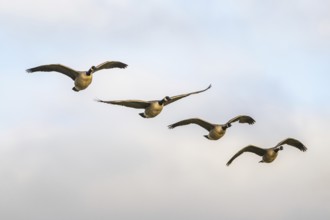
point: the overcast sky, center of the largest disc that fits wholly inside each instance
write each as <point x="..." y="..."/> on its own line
<point x="65" y="156"/>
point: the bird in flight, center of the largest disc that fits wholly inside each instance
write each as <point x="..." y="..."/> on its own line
<point x="151" y="108"/>
<point x="216" y="131"/>
<point x="269" y="154"/>
<point x="82" y="79"/>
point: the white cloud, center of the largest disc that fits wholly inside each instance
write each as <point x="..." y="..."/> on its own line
<point x="64" y="156"/>
<point x="60" y="11"/>
<point x="90" y="15"/>
<point x="324" y="28"/>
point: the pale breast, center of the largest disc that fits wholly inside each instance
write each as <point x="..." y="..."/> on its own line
<point x="153" y="110"/>
<point x="83" y="81"/>
<point x="216" y="133"/>
<point x="270" y="156"/>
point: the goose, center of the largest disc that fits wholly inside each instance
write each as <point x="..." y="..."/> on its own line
<point x="82" y="79"/>
<point x="151" y="108"/>
<point x="216" y="131"/>
<point x="270" y="154"/>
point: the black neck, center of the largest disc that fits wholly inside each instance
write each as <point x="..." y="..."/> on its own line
<point x="224" y="127"/>
<point x="161" y="102"/>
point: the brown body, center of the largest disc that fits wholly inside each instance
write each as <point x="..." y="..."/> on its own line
<point x="269" y="156"/>
<point x="82" y="81"/>
<point x="216" y="133"/>
<point x="153" y="110"/>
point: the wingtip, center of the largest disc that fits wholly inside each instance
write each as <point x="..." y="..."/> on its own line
<point x="250" y="120"/>
<point x="123" y="65"/>
<point x="28" y="70"/>
<point x="98" y="100"/>
<point x="170" y="126"/>
<point x="300" y="145"/>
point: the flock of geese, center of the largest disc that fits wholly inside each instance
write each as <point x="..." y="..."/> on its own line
<point x="82" y="79"/>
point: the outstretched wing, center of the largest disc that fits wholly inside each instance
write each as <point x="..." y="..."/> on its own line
<point x="175" y="98"/>
<point x="250" y="148"/>
<point x="128" y="103"/>
<point x="109" y="65"/>
<point x="242" y="119"/>
<point x="293" y="142"/>
<point x="57" y="68"/>
<point x="208" y="126"/>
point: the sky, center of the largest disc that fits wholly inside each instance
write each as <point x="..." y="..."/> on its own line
<point x="65" y="156"/>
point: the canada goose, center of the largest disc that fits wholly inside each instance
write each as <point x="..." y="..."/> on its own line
<point x="270" y="154"/>
<point x="216" y="131"/>
<point x="81" y="79"/>
<point x="152" y="108"/>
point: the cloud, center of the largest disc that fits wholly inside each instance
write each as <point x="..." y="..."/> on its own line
<point x="92" y="15"/>
<point x="50" y="12"/>
<point x="64" y="156"/>
<point x="324" y="28"/>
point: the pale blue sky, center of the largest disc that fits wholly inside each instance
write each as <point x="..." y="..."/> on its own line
<point x="64" y="156"/>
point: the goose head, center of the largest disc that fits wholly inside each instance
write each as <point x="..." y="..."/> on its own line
<point x="91" y="71"/>
<point x="225" y="126"/>
<point x="278" y="149"/>
<point x="164" y="100"/>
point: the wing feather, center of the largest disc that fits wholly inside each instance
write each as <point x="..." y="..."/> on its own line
<point x="208" y="126"/>
<point x="109" y="65"/>
<point x="57" y="68"/>
<point x="176" y="98"/>
<point x="128" y="103"/>
<point x="250" y="148"/>
<point x="292" y="142"/>
<point x="242" y="119"/>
